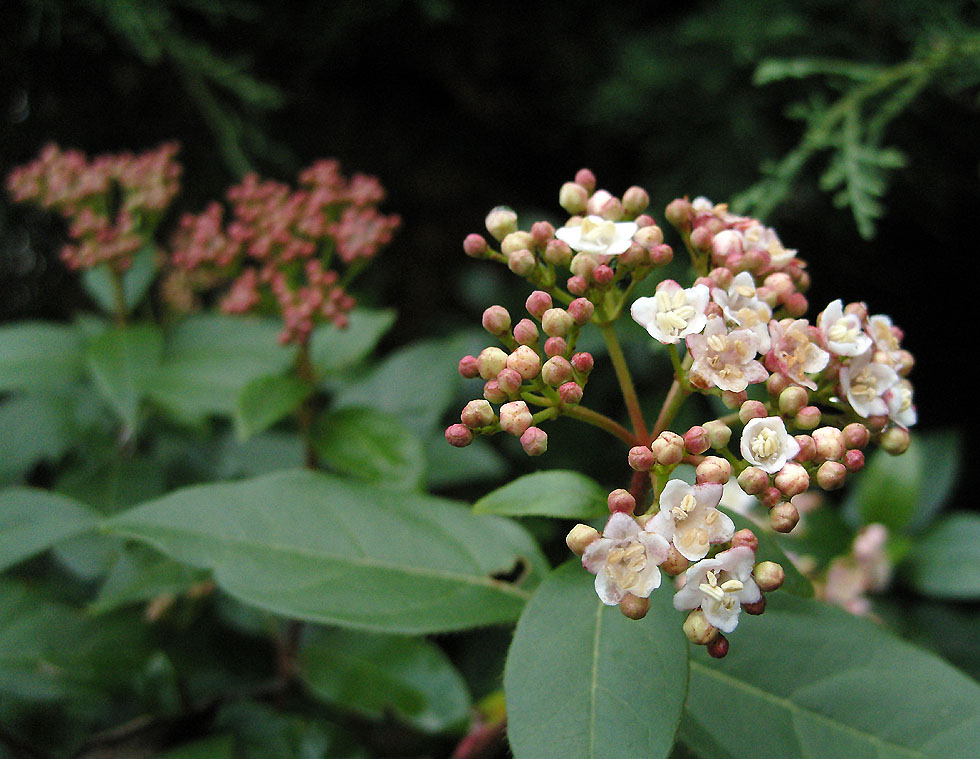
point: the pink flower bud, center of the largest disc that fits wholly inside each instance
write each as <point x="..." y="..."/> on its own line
<point x="509" y="381"/>
<point x="713" y="469"/>
<point x="641" y="458"/>
<point x="770" y="496"/>
<point x="577" y="285"/>
<point x="635" y="200"/>
<point x="611" y="209"/>
<point x="829" y="442"/>
<point x="583" y="363"/>
<point x="752" y="410"/>
<point x="792" y="480"/>
<point x="516" y="241"/>
<point x="621" y="500"/>
<point x="679" y="213"/>
<point x="581" y="310"/>
<point x="895" y="440"/>
<point x="478" y="413"/>
<point x="661" y="255"/>
<point x="696" y="440"/>
<point x="793" y="399"/>
<point x="558" y="253"/>
<point x="668" y="448"/>
<point x="573" y="197"/>
<point x="521" y="262"/>
<point x="769" y="576"/>
<point x="745" y="538"/>
<point x="585" y="178"/>
<point x="526" y="332"/>
<point x="831" y="475"/>
<point x="856" y="435"/>
<point x="784" y="517"/>
<point x="732" y="399"/>
<point x="721" y="277"/>
<point x="555" y="346"/>
<point x="496" y="320"/>
<point x="515" y="418"/>
<point x="459" y="435"/>
<point x="534" y="441"/>
<point x="570" y="393"/>
<point x="854" y="460"/>
<point x="718" y="432"/>
<point x="649" y="237"/>
<point x="557" y="322"/>
<point x="603" y="275"/>
<point x="675" y="563"/>
<point x="701" y="239"/>
<point x="597" y="201"/>
<point x="726" y="243"/>
<point x="542" y="232"/>
<point x="556" y="371"/>
<point x="807" y="418"/>
<point x="796" y="305"/>
<point x="468" y="367"/>
<point x="753" y="480"/>
<point x="698" y="629"/>
<point x="525" y="361"/>
<point x="501" y="221"/>
<point x="776" y="383"/>
<point x="537" y="303"/>
<point x="808" y="449"/>
<point x="475" y="246"/>
<point x="583" y="265"/>
<point x="490" y="361"/>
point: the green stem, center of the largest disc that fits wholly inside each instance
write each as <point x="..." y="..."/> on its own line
<point x="625" y="381"/>
<point x="119" y="295"/>
<point x="306" y="413"/>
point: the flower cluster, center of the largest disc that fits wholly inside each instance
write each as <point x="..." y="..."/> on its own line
<point x="112" y="203"/>
<point x="279" y="246"/>
<point x="806" y="399"/>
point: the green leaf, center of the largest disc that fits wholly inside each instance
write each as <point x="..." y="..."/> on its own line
<point x="582" y="680"/>
<point x="556" y="493"/>
<point x="209" y="359"/>
<point x="887" y="489"/>
<point x="317" y="547"/>
<point x="37" y="355"/>
<point x="770" y="550"/>
<point x="213" y="747"/>
<point x="135" y="281"/>
<point x="809" y="680"/>
<point x="370" y="445"/>
<point x="123" y="362"/>
<point x="945" y="561"/>
<point x="335" y="349"/>
<point x="449" y="466"/>
<point x="266" y="400"/>
<point x="33" y="520"/>
<point x="35" y="427"/>
<point x="140" y="575"/>
<point x="372" y="674"/>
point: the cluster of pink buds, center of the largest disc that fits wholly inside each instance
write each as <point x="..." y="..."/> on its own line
<point x="806" y="399"/>
<point x="280" y="246"/>
<point x="112" y="203"/>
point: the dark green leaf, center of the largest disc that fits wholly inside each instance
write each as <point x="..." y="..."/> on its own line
<point x="35" y="427"/>
<point x="449" y="466"/>
<point x="582" y="680"/>
<point x="33" y="520"/>
<point x="316" y="547"/>
<point x="266" y="400"/>
<point x="37" y="355"/>
<point x="556" y="493"/>
<point x="335" y="349"/>
<point x="140" y="575"/>
<point x="123" y="361"/>
<point x="769" y="550"/>
<point x="135" y="282"/>
<point x="945" y="561"/>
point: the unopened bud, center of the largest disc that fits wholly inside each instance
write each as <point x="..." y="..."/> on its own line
<point x="853" y="460"/>
<point x="501" y="221"/>
<point x="807" y="418"/>
<point x="581" y="310"/>
<point x="635" y="200"/>
<point x="525" y="361"/>
<point x="792" y="480"/>
<point x="641" y="458"/>
<point x="726" y="243"/>
<point x="534" y="441"/>
<point x="557" y="322"/>
<point x="675" y="563"/>
<point x="583" y="264"/>
<point x="756" y="608"/>
<point x="769" y="576"/>
<point x="490" y="361"/>
<point x="770" y="496"/>
<point x="829" y="442"/>
<point x="555" y="346"/>
<point x="509" y="381"/>
<point x="634" y="607"/>
<point x="796" y="305"/>
<point x="493" y="393"/>
<point x="516" y="241"/>
<point x="521" y="262"/>
<point x="459" y="435"/>
<point x="719" y="433"/>
<point x="831" y="475"/>
<point x="733" y="400"/>
<point x="679" y="213"/>
<point x="573" y="197"/>
<point x="468" y="367"/>
<point x="583" y="362"/>
<point x="718" y="648"/>
<point x="603" y="274"/>
<point x="526" y="332"/>
<point x="580" y="537"/>
<point x="696" y="440"/>
<point x="753" y="480"/>
<point x="537" y="303"/>
<point x="668" y="448"/>
<point x="698" y="629"/>
<point x="752" y="410"/>
<point x="895" y="440"/>
<point x="792" y="399"/>
<point x="496" y="320"/>
<point x="577" y="285"/>
<point x="475" y="246"/>
<point x="661" y="255"/>
<point x="556" y="371"/>
<point x="808" y="449"/>
<point x="745" y="538"/>
<point x="649" y="237"/>
<point x="542" y="232"/>
<point x="570" y="393"/>
<point x="784" y="517"/>
<point x="585" y="178"/>
<point x="713" y="469"/>
<point x="558" y="253"/>
<point x="515" y="418"/>
<point x="478" y="413"/>
<point x="856" y="435"/>
<point x="621" y="500"/>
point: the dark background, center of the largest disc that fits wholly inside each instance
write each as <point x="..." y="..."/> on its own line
<point x="458" y="107"/>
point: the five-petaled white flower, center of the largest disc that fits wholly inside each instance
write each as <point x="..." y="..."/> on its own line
<point x="766" y="444"/>
<point x="724" y="359"/>
<point x="673" y="313"/>
<point x="690" y="518"/>
<point x="742" y="307"/>
<point x="720" y="586"/>
<point x="795" y="352"/>
<point x="626" y="559"/>
<point x="843" y="333"/>
<point x="865" y="383"/>
<point x="598" y="235"/>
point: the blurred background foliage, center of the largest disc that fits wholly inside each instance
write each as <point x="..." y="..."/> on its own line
<point x="849" y="125"/>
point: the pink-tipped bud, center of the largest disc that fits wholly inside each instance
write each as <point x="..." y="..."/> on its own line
<point x="537" y="303"/>
<point x="829" y="442"/>
<point x="675" y="563"/>
<point x="721" y="277"/>
<point x="581" y="310"/>
<point x="726" y="243"/>
<point x="895" y="441"/>
<point x="719" y="433"/>
<point x="718" y="648"/>
<point x="611" y="209"/>
<point x="515" y="418"/>
<point x="769" y="576"/>
<point x="668" y="448"/>
<point x="793" y="399"/>
<point x="603" y="275"/>
<point x="732" y="399"/>
<point x="753" y="480"/>
<point x="570" y="393"/>
<point x="770" y="497"/>
<point x="490" y="361"/>
<point x="557" y="253"/>
<point x="580" y="537"/>
<point x="468" y="367"/>
<point x="556" y="371"/>
<point x="831" y="475"/>
<point x="522" y="262"/>
<point x="856" y="435"/>
<point x="696" y="440"/>
<point x="641" y="458"/>
<point x="572" y="197"/>
<point x="796" y="305"/>
<point x="713" y="469"/>
<point x="661" y="255"/>
<point x="501" y="221"/>
<point x="525" y="361"/>
<point x="745" y="538"/>
<point x="679" y="213"/>
<point x="557" y="322"/>
<point x="635" y="200"/>
<point x="808" y="449"/>
<point x="807" y="418"/>
<point x="792" y="480"/>
<point x="597" y="200"/>
<point x="698" y="629"/>
<point x="585" y="178"/>
<point x="634" y="607"/>
<point x="701" y="239"/>
<point x="496" y="320"/>
<point x="649" y="237"/>
<point x="534" y="441"/>
<point x="577" y="285"/>
<point x="478" y="413"/>
<point x="516" y="241"/>
<point x="555" y="346"/>
<point x="583" y="265"/>
<point x="459" y="435"/>
<point x="783" y="517"/>
<point x="853" y="460"/>
<point x="542" y="233"/>
<point x="526" y="332"/>
<point x="493" y="393"/>
<point x="509" y="381"/>
<point x="583" y="363"/>
<point x="752" y="410"/>
<point x="621" y="500"/>
<point x="475" y="246"/>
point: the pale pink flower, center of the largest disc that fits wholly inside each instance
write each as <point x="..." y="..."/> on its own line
<point x="690" y="518"/>
<point x="720" y="586"/>
<point x="625" y="559"/>
<point x="842" y="333"/>
<point x="742" y="307"/>
<point x="723" y="359"/>
<point x="794" y="351"/>
<point x="865" y="383"/>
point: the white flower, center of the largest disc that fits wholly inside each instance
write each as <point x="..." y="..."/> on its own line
<point x="725" y="360"/>
<point x="865" y="383"/>
<point x="842" y="333"/>
<point x="767" y="445"/>
<point x="795" y="352"/>
<point x="720" y="586"/>
<point x="626" y="559"/>
<point x="689" y="517"/>
<point x="901" y="409"/>
<point x="736" y="499"/>
<point x="756" y="236"/>
<point x="598" y="235"/>
<point x="673" y="313"/>
<point x="743" y="308"/>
